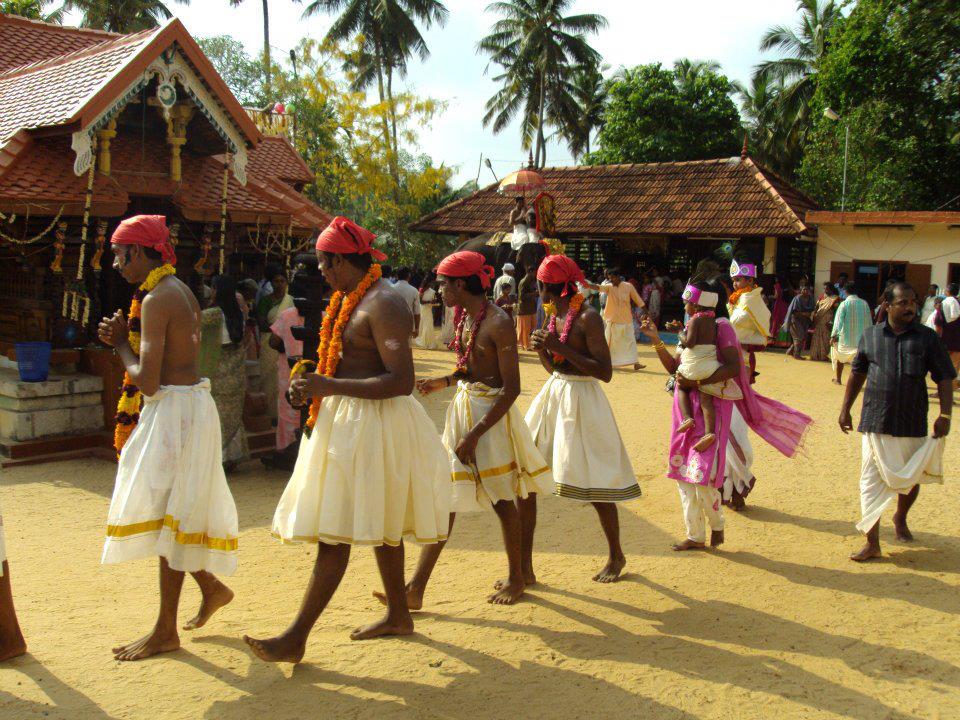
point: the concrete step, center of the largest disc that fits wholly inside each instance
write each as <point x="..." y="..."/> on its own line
<point x="21" y="450"/>
<point x="108" y="455"/>
<point x="266" y="440"/>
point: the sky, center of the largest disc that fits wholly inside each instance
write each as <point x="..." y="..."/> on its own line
<point x="639" y="31"/>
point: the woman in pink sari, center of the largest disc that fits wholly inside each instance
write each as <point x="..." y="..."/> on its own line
<point x="779" y="311"/>
<point x="283" y="341"/>
<point x="700" y="476"/>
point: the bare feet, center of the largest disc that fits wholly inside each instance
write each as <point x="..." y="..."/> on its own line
<point x="689" y="545"/>
<point x="529" y="580"/>
<point x="383" y="628"/>
<point x="15" y="650"/>
<point x="278" y="649"/>
<point x="716" y="538"/>
<point x="736" y="502"/>
<point x="901" y="529"/>
<point x="212" y="601"/>
<point x="867" y="552"/>
<point x="159" y="641"/>
<point x="611" y="571"/>
<point x="705" y="442"/>
<point x="508" y="594"/>
<point x="836" y="382"/>
<point x="414" y="597"/>
<point x="638" y="366"/>
<point x="685" y="425"/>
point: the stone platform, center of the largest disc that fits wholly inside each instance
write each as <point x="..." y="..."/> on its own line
<point x="65" y="404"/>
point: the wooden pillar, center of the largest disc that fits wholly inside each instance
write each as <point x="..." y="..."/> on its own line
<point x="769" y="255"/>
<point x="177" y="120"/>
<point x="104" y="137"/>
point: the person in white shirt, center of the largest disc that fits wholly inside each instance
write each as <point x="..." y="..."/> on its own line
<point x="410" y="295"/>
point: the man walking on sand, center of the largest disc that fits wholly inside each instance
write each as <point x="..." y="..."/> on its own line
<point x="171" y="497"/>
<point x="571" y="419"/>
<point x="893" y="360"/>
<point x="372" y="471"/>
<point x="618" y="318"/>
<point x="493" y="460"/>
<point x="852" y="318"/>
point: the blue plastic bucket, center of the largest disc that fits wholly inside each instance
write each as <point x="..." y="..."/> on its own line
<point x="33" y="361"/>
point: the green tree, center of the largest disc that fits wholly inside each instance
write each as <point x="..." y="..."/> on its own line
<point x="242" y="74"/>
<point x="537" y="47"/>
<point x="33" y="9"/>
<point x="266" y="42"/>
<point x="589" y="93"/>
<point x="658" y="115"/>
<point x="772" y="140"/>
<point x="388" y="35"/>
<point x="891" y="73"/>
<point x="122" y="16"/>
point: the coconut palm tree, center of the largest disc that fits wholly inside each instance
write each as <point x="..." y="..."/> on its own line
<point x="802" y="49"/>
<point x="266" y="42"/>
<point x="538" y="47"/>
<point x="122" y="16"/>
<point x="32" y="9"/>
<point x="590" y="94"/>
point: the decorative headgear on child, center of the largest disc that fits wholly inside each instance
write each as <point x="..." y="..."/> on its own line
<point x="743" y="270"/>
<point x="149" y="231"/>
<point x="556" y="269"/>
<point x="344" y="237"/>
<point x="464" y="264"/>
<point x="701" y="298"/>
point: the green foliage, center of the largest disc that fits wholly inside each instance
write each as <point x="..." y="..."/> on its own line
<point x="122" y="16"/>
<point x="242" y="74"/>
<point x="33" y="9"/>
<point x="891" y="72"/>
<point x="659" y="115"/>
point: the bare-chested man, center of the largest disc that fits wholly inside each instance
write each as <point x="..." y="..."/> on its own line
<point x="373" y="470"/>
<point x="171" y="497"/>
<point x="493" y="459"/>
<point x="12" y="643"/>
<point x="571" y="419"/>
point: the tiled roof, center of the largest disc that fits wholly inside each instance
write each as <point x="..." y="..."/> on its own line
<point x="278" y="157"/>
<point x="729" y="197"/>
<point x="41" y="177"/>
<point x="52" y="91"/>
<point x="27" y="41"/>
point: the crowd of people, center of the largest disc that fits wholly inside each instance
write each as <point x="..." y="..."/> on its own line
<point x="370" y="469"/>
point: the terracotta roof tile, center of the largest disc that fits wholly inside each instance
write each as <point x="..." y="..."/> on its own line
<point x="27" y="41"/>
<point x="726" y="197"/>
<point x="277" y="157"/>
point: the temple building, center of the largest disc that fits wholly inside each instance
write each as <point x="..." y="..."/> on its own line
<point x="96" y="127"/>
<point x="667" y="216"/>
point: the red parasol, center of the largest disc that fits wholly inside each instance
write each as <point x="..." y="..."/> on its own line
<point x="521" y="182"/>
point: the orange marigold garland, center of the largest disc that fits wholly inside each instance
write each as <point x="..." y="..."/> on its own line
<point x="335" y="320"/>
<point x="128" y="409"/>
<point x="576" y="302"/>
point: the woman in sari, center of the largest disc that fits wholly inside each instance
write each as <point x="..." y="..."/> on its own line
<point x="268" y="310"/>
<point x="823" y="322"/>
<point x="798" y="320"/>
<point x="223" y="360"/>
<point x="779" y="311"/>
<point x="431" y="316"/>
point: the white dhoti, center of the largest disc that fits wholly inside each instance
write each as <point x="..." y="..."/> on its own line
<point x="429" y="336"/>
<point x="171" y="497"/>
<point x="574" y="428"/>
<point x="509" y="466"/>
<point x="701" y="506"/>
<point x="447" y="330"/>
<point x="891" y="466"/>
<point x="739" y="458"/>
<point x="372" y="472"/>
<point x="841" y="353"/>
<point x="623" y="345"/>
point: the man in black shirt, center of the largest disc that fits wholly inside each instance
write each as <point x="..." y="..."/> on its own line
<point x="893" y="359"/>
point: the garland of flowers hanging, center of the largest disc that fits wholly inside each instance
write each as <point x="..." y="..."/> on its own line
<point x="335" y="320"/>
<point x="128" y="409"/>
<point x="36" y="238"/>
<point x="464" y="354"/>
<point x="576" y="302"/>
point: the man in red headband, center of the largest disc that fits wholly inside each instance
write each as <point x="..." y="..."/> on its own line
<point x="571" y="419"/>
<point x="171" y="497"/>
<point x="493" y="461"/>
<point x="372" y="471"/>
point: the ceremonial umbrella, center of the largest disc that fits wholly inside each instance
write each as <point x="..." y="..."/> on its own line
<point x="521" y="182"/>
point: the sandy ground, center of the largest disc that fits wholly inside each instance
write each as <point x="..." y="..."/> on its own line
<point x="778" y="624"/>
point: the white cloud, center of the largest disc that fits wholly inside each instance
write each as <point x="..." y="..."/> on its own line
<point x="640" y="31"/>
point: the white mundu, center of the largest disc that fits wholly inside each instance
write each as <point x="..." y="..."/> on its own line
<point x="699" y="363"/>
<point x="893" y="465"/>
<point x="622" y="342"/>
<point x="574" y="427"/>
<point x="171" y="498"/>
<point x="372" y="472"/>
<point x="509" y="466"/>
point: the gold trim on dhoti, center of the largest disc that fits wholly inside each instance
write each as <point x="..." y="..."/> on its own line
<point x="173" y="525"/>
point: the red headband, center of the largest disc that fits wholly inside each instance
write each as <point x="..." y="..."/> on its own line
<point x="345" y="237"/>
<point x="466" y="264"/>
<point x="560" y="269"/>
<point x="148" y="231"/>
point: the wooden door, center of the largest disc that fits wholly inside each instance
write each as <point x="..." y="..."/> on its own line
<point x="918" y="277"/>
<point x="840" y="267"/>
